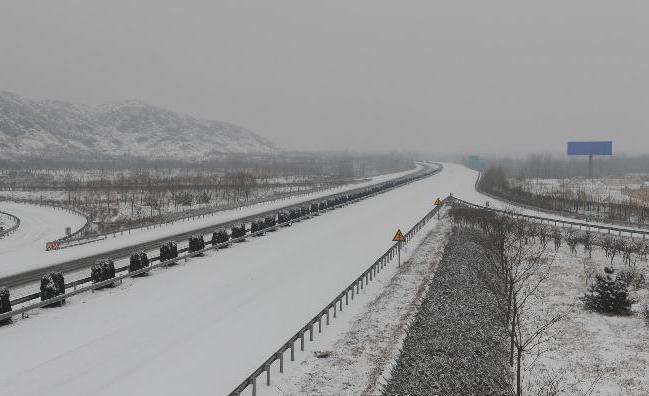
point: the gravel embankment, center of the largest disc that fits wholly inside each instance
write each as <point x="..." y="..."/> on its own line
<point x="456" y="344"/>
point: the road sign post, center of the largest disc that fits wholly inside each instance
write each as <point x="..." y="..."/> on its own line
<point x="438" y="202"/>
<point x="399" y="238"/>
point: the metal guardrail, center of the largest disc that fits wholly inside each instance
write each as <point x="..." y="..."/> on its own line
<point x="548" y="211"/>
<point x="11" y="229"/>
<point x="395" y="183"/>
<point x="332" y="308"/>
<point x="580" y="225"/>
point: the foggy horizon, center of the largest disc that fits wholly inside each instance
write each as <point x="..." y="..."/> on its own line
<point x="499" y="78"/>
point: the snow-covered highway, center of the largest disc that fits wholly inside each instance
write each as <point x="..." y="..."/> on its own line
<point x="202" y="326"/>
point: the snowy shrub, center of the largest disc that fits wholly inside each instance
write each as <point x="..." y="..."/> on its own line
<point x="138" y="261"/>
<point x="632" y="278"/>
<point x="283" y="217"/>
<point x="322" y="206"/>
<point x="295" y="213"/>
<point x="103" y="270"/>
<point x="238" y="231"/>
<point x="270" y="221"/>
<point x="257" y="225"/>
<point x="52" y="285"/>
<point x="314" y="208"/>
<point x="196" y="243"/>
<point x="5" y="304"/>
<point x="168" y="251"/>
<point x="304" y="211"/>
<point x="608" y="295"/>
<point x="219" y="237"/>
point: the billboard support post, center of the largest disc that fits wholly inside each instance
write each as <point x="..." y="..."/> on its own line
<point x="590" y="149"/>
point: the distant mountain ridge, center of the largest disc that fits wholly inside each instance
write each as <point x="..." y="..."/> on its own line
<point x="51" y="129"/>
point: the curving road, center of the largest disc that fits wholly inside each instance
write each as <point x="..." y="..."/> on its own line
<point x="38" y="225"/>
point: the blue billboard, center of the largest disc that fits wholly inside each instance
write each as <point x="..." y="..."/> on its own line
<point x="590" y="148"/>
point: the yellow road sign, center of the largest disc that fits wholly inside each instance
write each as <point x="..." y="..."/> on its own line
<point x="438" y="202"/>
<point x="398" y="237"/>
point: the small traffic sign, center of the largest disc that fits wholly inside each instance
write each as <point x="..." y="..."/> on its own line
<point x="398" y="237"/>
<point x="438" y="202"/>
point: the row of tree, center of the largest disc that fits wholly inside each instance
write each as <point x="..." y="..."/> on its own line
<point x="494" y="181"/>
<point x="519" y="263"/>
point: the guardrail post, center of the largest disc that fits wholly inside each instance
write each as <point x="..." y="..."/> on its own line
<point x="335" y="308"/>
<point x="320" y="323"/>
<point x="302" y="340"/>
<point x="327" y="316"/>
<point x="281" y="362"/>
<point x="254" y="386"/>
<point x="268" y="374"/>
<point x="292" y="351"/>
<point x="347" y="297"/>
<point x="311" y="331"/>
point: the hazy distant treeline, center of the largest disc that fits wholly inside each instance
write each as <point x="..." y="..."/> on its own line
<point x="553" y="167"/>
<point x="340" y="165"/>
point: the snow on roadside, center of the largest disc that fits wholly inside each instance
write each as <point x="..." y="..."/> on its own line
<point x="367" y="337"/>
<point x="586" y="345"/>
<point x="31" y="254"/>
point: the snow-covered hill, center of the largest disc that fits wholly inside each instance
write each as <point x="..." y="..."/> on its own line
<point x="53" y="130"/>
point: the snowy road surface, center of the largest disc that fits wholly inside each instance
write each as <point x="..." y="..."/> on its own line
<point x="200" y="327"/>
<point x="38" y="225"/>
<point x="19" y="260"/>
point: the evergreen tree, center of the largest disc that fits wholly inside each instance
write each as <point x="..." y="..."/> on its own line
<point x="608" y="295"/>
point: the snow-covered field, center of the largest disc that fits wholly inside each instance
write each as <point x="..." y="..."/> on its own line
<point x="38" y="225"/>
<point x="603" y="189"/>
<point x="609" y="353"/>
<point x="31" y="254"/>
<point x="202" y="326"/>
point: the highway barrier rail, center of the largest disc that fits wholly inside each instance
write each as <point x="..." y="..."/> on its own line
<point x="13" y="228"/>
<point x="331" y="309"/>
<point x="577" y="216"/>
<point x="586" y="226"/>
<point x="323" y="204"/>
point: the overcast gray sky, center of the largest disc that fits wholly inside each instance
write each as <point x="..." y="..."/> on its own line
<point x="467" y="76"/>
